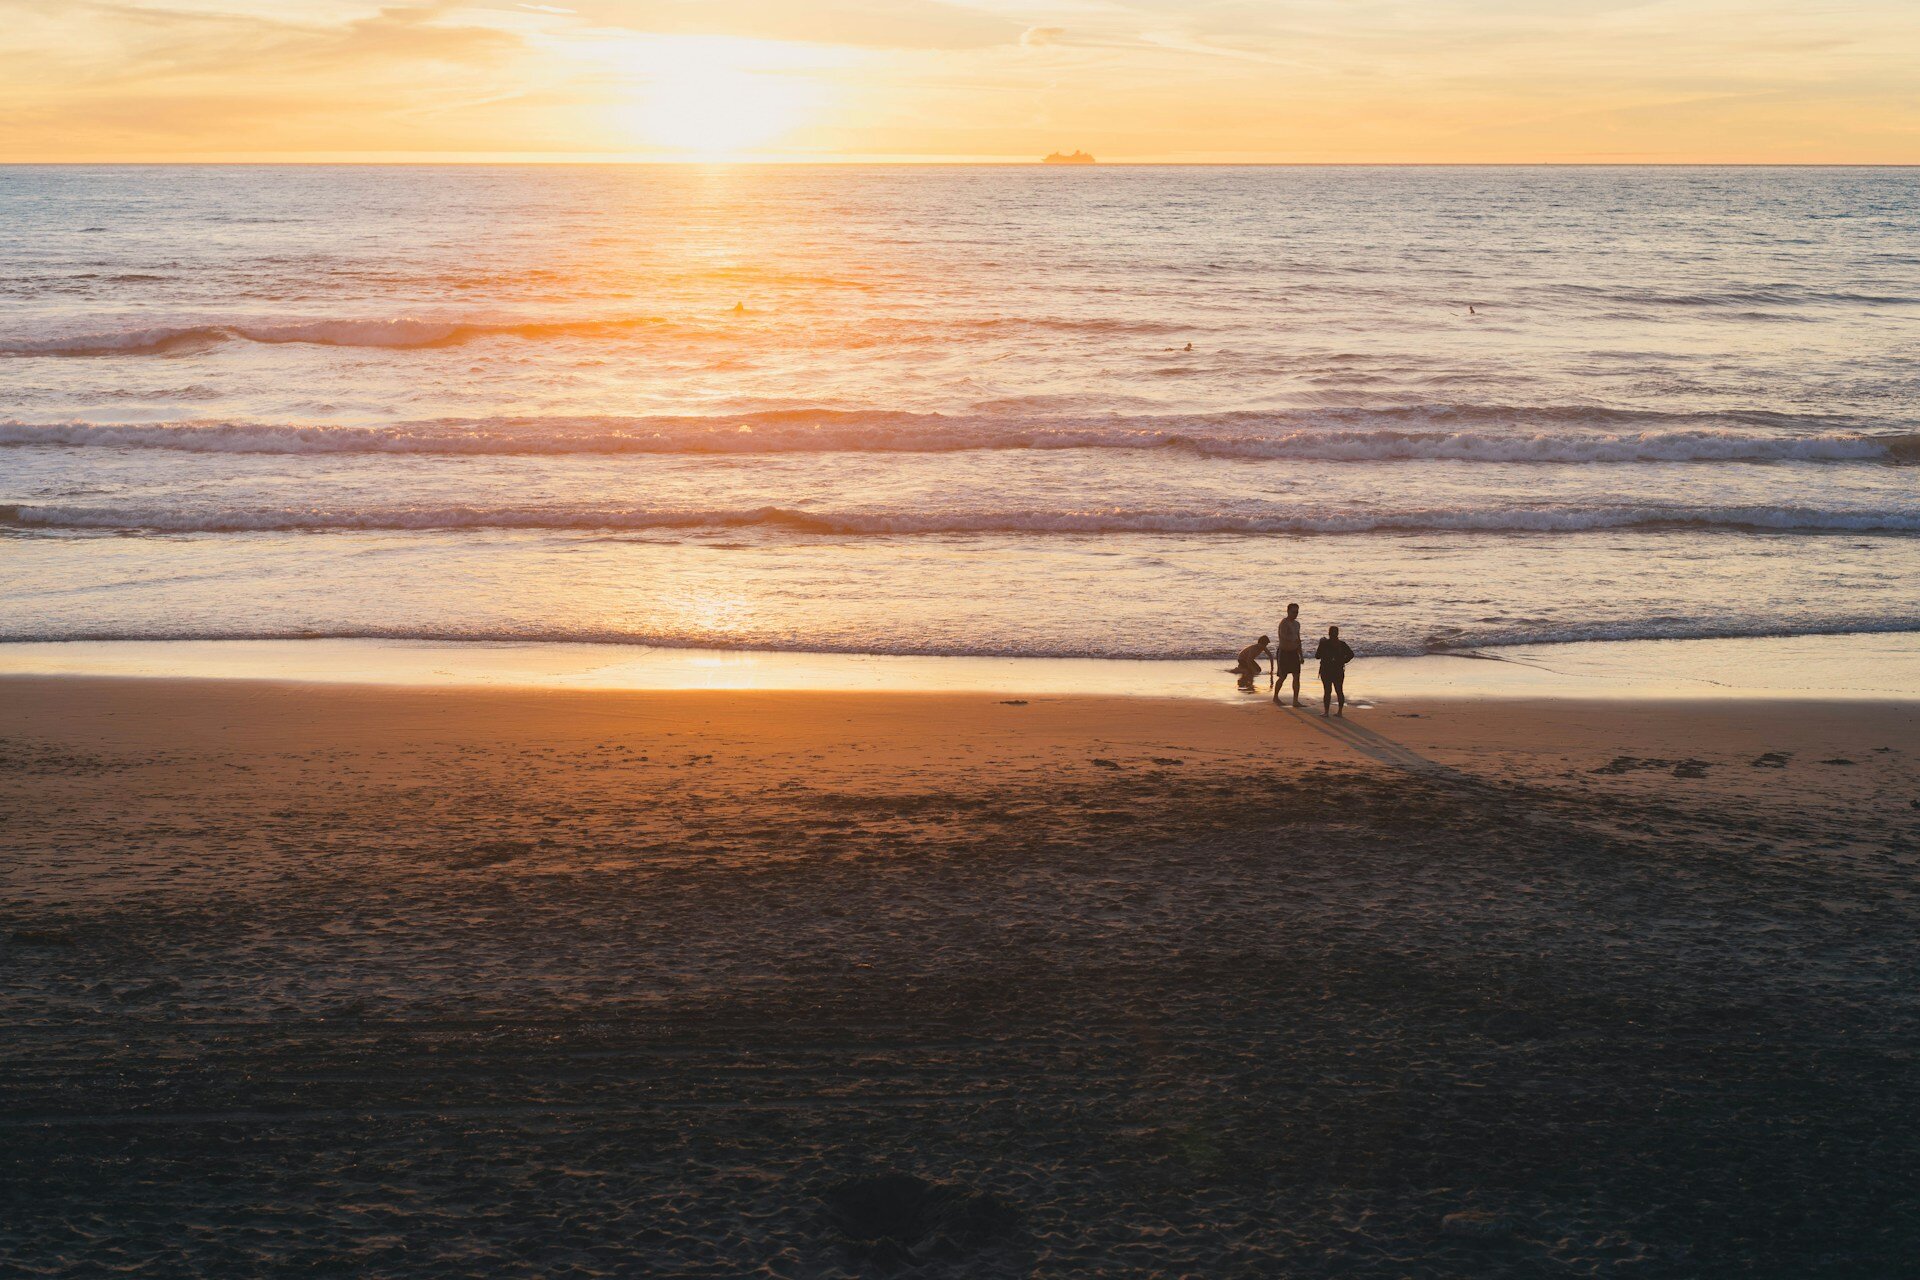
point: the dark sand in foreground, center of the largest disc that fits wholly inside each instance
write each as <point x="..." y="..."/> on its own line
<point x="478" y="983"/>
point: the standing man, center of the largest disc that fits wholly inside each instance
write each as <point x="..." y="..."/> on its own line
<point x="1334" y="655"/>
<point x="1287" y="655"/>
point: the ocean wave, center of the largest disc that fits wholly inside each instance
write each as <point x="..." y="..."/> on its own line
<point x="408" y="333"/>
<point x="1759" y="295"/>
<point x="1381" y="645"/>
<point x="1544" y="519"/>
<point x="1332" y="435"/>
<point x="1467" y="642"/>
<point x="399" y="334"/>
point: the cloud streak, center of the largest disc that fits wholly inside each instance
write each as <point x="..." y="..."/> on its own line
<point x="1389" y="80"/>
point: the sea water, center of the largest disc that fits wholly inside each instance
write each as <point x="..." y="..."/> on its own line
<point x="953" y="410"/>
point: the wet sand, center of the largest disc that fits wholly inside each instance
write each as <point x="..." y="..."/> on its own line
<point x="1853" y="668"/>
<point x="454" y="981"/>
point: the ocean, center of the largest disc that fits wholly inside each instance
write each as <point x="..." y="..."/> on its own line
<point x="1123" y="412"/>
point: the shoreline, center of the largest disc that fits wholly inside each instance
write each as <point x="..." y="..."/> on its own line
<point x="1870" y="666"/>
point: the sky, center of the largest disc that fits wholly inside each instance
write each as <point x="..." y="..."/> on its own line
<point x="1234" y="81"/>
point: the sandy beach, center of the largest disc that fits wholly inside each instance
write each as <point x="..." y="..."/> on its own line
<point x="635" y="641"/>
<point x="457" y="981"/>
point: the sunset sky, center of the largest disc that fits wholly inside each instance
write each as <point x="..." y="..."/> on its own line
<point x="1150" y="80"/>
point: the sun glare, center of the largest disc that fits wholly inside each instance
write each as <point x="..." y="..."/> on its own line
<point x="710" y="99"/>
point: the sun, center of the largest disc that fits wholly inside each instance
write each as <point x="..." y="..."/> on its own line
<point x="718" y="113"/>
<point x="709" y="100"/>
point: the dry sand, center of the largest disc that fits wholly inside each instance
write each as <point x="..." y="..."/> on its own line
<point x="421" y="982"/>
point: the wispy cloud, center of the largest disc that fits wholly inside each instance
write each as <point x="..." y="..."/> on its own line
<point x="192" y="79"/>
<point x="1176" y="79"/>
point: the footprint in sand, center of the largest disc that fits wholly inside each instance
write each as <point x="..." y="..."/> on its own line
<point x="1628" y="764"/>
<point x="481" y="856"/>
<point x="45" y="938"/>
<point x="1478" y="1225"/>
<point x="1688" y="768"/>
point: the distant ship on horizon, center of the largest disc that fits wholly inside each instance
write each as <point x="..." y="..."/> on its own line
<point x="1078" y="157"/>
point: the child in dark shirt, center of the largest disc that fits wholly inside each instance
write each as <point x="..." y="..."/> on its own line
<point x="1249" y="665"/>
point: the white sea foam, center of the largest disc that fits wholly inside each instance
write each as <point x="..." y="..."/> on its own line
<point x="1327" y="436"/>
<point x="1555" y="519"/>
<point x="404" y="333"/>
<point x="1376" y="644"/>
<point x="400" y="333"/>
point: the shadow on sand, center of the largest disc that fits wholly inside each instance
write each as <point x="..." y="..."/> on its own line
<point x="1374" y="746"/>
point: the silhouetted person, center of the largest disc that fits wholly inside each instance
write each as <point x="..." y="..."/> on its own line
<point x="1287" y="655"/>
<point x="1334" y="655"/>
<point x="1249" y="666"/>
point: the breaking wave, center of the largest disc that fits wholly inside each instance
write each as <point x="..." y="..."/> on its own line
<point x="1331" y="435"/>
<point x="1384" y="644"/>
<point x="1783" y="294"/>
<point x="405" y="333"/>
<point x="892" y="523"/>
<point x="400" y="334"/>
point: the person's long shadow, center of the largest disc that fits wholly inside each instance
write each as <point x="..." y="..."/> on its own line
<point x="1376" y="746"/>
